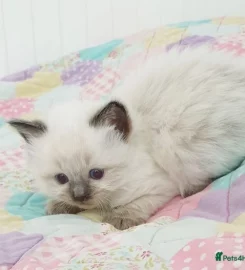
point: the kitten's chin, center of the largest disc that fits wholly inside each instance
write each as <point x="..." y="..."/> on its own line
<point x="87" y="206"/>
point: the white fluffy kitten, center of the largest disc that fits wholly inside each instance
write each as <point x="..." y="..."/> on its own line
<point x="170" y="129"/>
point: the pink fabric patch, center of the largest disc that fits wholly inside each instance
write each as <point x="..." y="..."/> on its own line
<point x="178" y="206"/>
<point x="15" y="107"/>
<point x="101" y="85"/>
<point x="203" y="253"/>
<point x="235" y="43"/>
<point x="12" y="159"/>
<point x="57" y="251"/>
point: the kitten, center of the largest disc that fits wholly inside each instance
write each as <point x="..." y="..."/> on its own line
<point x="168" y="130"/>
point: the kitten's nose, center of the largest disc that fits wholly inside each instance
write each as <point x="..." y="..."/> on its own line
<point x="80" y="198"/>
<point x="80" y="194"/>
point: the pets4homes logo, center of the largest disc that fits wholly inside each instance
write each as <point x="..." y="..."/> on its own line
<point x="220" y="256"/>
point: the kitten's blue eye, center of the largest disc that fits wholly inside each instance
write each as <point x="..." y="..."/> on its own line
<point x="96" y="174"/>
<point x="61" y="178"/>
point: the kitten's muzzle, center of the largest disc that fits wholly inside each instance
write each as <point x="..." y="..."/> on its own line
<point x="80" y="194"/>
<point x="81" y="198"/>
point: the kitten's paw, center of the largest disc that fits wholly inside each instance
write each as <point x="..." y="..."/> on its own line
<point x="123" y="223"/>
<point x="58" y="207"/>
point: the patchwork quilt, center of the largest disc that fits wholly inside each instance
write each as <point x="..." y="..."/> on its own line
<point x="205" y="231"/>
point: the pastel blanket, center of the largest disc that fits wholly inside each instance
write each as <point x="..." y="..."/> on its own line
<point x="199" y="232"/>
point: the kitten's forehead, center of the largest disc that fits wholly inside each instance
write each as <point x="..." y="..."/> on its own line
<point x="70" y="140"/>
<point x="68" y="135"/>
<point x="65" y="114"/>
<point x="71" y="122"/>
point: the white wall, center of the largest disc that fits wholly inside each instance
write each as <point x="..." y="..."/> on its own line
<point x="35" y="31"/>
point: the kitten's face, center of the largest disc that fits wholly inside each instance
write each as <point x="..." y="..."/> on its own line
<point x="80" y="153"/>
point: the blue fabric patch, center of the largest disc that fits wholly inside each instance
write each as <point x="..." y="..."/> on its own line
<point x="222" y="183"/>
<point x="230" y="29"/>
<point x="9" y="138"/>
<point x="226" y="181"/>
<point x="7" y="90"/>
<point x="27" y="205"/>
<point x="203" y="30"/>
<point x="2" y="122"/>
<point x="101" y="51"/>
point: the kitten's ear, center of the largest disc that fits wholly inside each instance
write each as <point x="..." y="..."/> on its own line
<point x="113" y="114"/>
<point x="29" y="129"/>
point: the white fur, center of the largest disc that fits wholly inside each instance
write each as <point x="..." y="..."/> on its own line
<point x="187" y="111"/>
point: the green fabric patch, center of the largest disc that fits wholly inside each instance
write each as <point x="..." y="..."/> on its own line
<point x="27" y="205"/>
<point x="189" y="23"/>
<point x="99" y="52"/>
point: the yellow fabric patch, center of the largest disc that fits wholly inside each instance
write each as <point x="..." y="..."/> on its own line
<point x="238" y="225"/>
<point x="9" y="223"/>
<point x="30" y="116"/>
<point x="229" y="21"/>
<point x="225" y="228"/>
<point x="239" y="220"/>
<point x="92" y="215"/>
<point x="41" y="82"/>
<point x="164" y="36"/>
